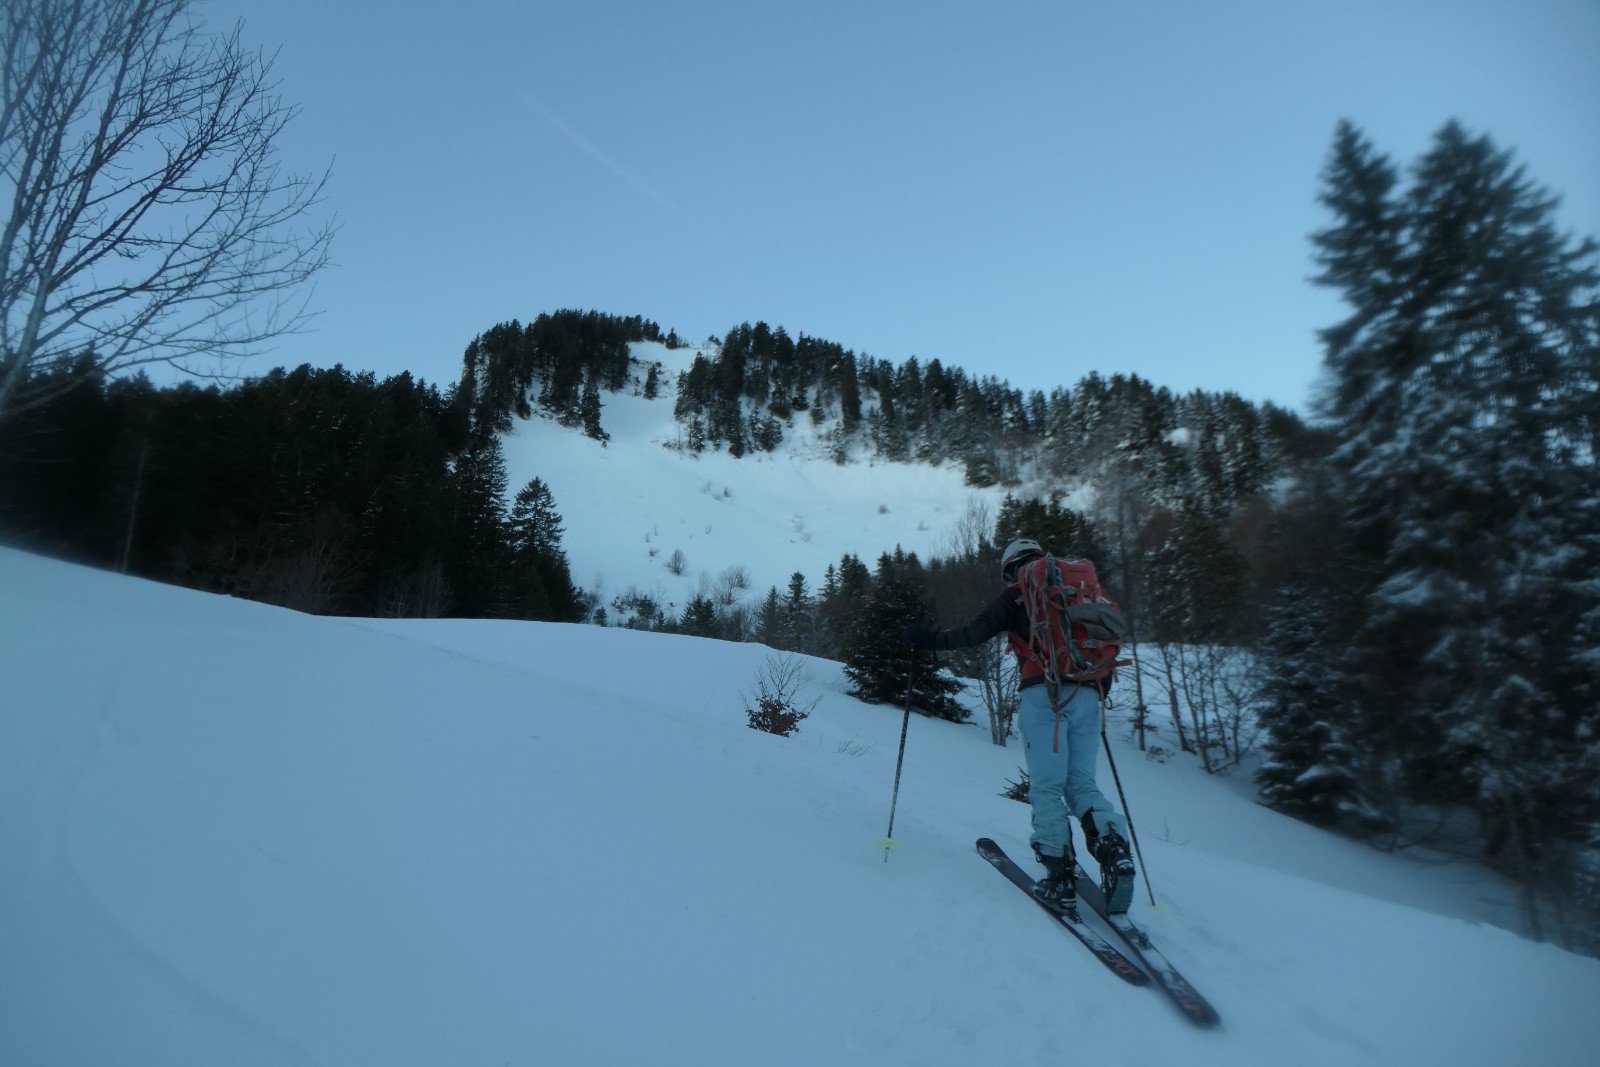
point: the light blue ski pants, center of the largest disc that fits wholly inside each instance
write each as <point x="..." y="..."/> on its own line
<point x="1062" y="759"/>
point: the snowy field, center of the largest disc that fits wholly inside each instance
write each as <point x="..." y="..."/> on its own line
<point x="231" y="834"/>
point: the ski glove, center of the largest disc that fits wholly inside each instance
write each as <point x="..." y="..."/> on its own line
<point x="919" y="636"/>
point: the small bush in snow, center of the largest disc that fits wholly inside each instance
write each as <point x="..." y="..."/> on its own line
<point x="851" y="747"/>
<point x="1017" y="790"/>
<point x="774" y="717"/>
<point x="776" y="709"/>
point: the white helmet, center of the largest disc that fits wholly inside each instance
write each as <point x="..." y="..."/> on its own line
<point x="1017" y="551"/>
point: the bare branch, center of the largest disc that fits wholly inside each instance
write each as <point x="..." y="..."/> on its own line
<point x="149" y="219"/>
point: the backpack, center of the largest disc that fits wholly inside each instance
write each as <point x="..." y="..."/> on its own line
<point x="1077" y="631"/>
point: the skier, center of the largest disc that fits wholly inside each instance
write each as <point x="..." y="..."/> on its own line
<point x="1060" y="731"/>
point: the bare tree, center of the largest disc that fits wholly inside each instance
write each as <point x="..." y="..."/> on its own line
<point x="1218" y="685"/>
<point x="998" y="680"/>
<point x="149" y="220"/>
<point x="729" y="585"/>
<point x="1123" y="513"/>
<point x="969" y="535"/>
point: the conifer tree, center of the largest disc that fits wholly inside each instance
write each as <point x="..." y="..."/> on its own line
<point x="849" y="391"/>
<point x="769" y="621"/>
<point x="535" y="525"/>
<point x="1463" y="389"/>
<point x="799" y="627"/>
<point x="1309" y="767"/>
<point x="1197" y="583"/>
<point x="879" y="662"/>
<point x="589" y="411"/>
<point x="476" y="550"/>
<point x="1061" y="530"/>
<point x="699" y="617"/>
<point x="844" y="595"/>
<point x="542" y="583"/>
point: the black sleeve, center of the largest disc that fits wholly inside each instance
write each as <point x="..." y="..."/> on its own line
<point x="1002" y="613"/>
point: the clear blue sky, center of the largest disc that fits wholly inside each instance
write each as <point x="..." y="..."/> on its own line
<point x="1031" y="190"/>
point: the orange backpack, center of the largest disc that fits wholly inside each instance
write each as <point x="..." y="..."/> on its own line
<point x="1077" y="631"/>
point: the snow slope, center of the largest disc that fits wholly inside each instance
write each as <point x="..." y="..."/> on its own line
<point x="233" y="834"/>
<point x="629" y="504"/>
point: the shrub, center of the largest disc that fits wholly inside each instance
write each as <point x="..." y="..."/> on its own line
<point x="776" y="709"/>
<point x="774" y="716"/>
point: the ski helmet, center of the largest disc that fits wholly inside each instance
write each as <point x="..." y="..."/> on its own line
<point x="1017" y="551"/>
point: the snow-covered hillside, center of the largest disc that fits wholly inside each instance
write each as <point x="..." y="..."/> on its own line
<point x="233" y="834"/>
<point x="628" y="505"/>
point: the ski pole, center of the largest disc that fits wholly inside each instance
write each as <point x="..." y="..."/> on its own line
<point x="1123" y="798"/>
<point x="888" y="841"/>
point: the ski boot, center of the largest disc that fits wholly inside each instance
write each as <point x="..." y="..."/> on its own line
<point x="1058" y="889"/>
<point x="1116" y="872"/>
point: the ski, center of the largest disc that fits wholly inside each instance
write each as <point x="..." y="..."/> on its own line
<point x="1103" y="950"/>
<point x="1175" y="985"/>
